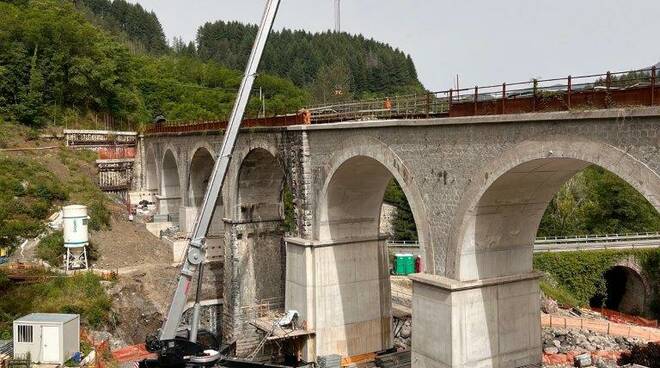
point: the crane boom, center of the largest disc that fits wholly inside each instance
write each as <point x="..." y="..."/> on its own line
<point x="196" y="251"/>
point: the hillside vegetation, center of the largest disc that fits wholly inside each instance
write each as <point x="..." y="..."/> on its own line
<point x="79" y="294"/>
<point x="56" y="67"/>
<point x="34" y="184"/>
<point x="574" y="278"/>
<point x="321" y="62"/>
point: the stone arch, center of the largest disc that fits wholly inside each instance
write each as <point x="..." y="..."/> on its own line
<point x="151" y="182"/>
<point x="354" y="314"/>
<point x="628" y="288"/>
<point x="170" y="192"/>
<point x="378" y="163"/>
<point x="500" y="212"/>
<point x="201" y="168"/>
<point x="259" y="186"/>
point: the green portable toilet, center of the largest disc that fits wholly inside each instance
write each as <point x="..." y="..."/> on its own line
<point x="404" y="264"/>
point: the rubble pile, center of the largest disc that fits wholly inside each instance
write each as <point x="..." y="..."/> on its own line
<point x="561" y="347"/>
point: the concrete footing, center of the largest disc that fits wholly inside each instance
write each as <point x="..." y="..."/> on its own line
<point x="473" y="324"/>
<point x="342" y="292"/>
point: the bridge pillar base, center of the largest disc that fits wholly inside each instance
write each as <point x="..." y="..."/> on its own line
<point x="342" y="292"/>
<point x="484" y="323"/>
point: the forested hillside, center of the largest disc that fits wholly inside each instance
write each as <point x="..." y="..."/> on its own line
<point x="131" y="22"/>
<point x="331" y="65"/>
<point x="56" y="67"/>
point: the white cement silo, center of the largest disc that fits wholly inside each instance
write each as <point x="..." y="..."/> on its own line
<point x="76" y="237"/>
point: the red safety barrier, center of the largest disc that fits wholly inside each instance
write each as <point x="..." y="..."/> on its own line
<point x="110" y="153"/>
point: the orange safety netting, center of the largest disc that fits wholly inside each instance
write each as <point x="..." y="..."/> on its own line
<point x="132" y="353"/>
<point x="619" y="317"/>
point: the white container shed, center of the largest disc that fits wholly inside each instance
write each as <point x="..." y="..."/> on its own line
<point x="48" y="338"/>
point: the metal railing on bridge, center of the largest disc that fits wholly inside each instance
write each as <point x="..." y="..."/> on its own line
<point x="607" y="90"/>
<point x="608" y="238"/>
<point x="583" y="92"/>
<point x="574" y="242"/>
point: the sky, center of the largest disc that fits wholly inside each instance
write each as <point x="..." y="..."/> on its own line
<point x="482" y="41"/>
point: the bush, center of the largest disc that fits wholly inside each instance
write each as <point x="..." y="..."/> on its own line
<point x="28" y="193"/>
<point x="4" y="281"/>
<point x="648" y="356"/>
<point x="556" y="292"/>
<point x="82" y="294"/>
<point x="51" y="249"/>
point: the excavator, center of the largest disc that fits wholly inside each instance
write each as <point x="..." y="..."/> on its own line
<point x="191" y="347"/>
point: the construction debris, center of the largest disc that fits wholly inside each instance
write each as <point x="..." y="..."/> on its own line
<point x="400" y="359"/>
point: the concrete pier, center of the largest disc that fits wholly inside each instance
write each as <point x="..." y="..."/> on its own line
<point x="342" y="292"/>
<point x="486" y="323"/>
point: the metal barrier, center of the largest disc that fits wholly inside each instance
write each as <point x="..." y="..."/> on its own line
<point x="595" y="91"/>
<point x="574" y="242"/>
<point x="608" y="90"/>
<point x="597" y="238"/>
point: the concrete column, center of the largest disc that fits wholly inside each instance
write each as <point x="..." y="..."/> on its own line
<point x="168" y="205"/>
<point x="253" y="279"/>
<point x="342" y="292"/>
<point x="139" y="166"/>
<point x="187" y="218"/>
<point x="485" y="323"/>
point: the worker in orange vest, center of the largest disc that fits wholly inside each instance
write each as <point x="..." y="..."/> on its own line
<point x="307" y="116"/>
<point x="388" y="104"/>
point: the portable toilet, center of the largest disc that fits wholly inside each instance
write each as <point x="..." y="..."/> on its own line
<point x="47" y="338"/>
<point x="404" y="264"/>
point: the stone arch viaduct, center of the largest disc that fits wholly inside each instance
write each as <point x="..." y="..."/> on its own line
<point x="477" y="186"/>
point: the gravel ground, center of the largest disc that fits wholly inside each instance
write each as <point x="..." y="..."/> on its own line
<point x="128" y="244"/>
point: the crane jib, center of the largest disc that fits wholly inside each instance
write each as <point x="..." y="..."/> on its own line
<point x="195" y="252"/>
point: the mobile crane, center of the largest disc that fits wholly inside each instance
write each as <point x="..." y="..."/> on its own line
<point x="179" y="351"/>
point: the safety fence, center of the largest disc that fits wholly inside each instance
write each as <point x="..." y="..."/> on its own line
<point x="601" y="326"/>
<point x="582" y="92"/>
<point x="596" y="91"/>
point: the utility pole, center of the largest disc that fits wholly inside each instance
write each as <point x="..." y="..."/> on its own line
<point x="337" y="15"/>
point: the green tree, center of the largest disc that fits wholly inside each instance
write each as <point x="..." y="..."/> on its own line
<point x="403" y="223"/>
<point x="596" y="201"/>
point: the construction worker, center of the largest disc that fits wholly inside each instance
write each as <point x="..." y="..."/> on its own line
<point x="307" y="116"/>
<point x="387" y="104"/>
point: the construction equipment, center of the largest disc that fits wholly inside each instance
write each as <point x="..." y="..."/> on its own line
<point x="178" y="351"/>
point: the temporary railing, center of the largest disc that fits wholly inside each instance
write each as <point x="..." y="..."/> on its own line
<point x="595" y="91"/>
<point x="413" y="106"/>
<point x="218" y="125"/>
<point x="611" y="89"/>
